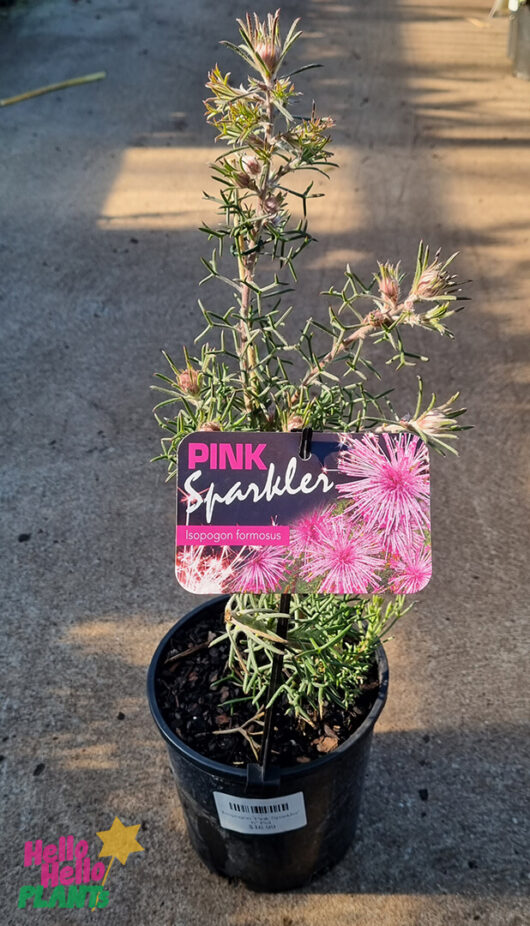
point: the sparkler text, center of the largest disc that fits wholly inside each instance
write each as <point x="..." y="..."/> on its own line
<point x="274" y="487"/>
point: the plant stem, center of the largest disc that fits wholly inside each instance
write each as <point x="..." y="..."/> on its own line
<point x="247" y="353"/>
<point x="246" y="266"/>
<point x="282" y="626"/>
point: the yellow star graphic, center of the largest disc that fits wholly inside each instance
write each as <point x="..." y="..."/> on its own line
<point x="119" y="841"/>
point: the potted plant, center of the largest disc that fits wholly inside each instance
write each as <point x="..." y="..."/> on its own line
<point x="267" y="705"/>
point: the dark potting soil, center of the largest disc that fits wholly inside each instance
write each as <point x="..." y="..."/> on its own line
<point x="195" y="710"/>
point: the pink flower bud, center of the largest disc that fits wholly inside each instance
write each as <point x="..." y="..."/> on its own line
<point x="429" y="284"/>
<point x="388" y="282"/>
<point x="272" y="204"/>
<point x="265" y="40"/>
<point x="377" y="319"/>
<point x="390" y="289"/>
<point x="268" y="54"/>
<point x="434" y="281"/>
<point x="295" y="423"/>
<point x="188" y="381"/>
<point x="251" y="165"/>
<point x="440" y="419"/>
<point x="210" y="426"/>
<point x="243" y="180"/>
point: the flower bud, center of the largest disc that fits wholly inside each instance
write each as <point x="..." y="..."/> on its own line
<point x="377" y="319"/>
<point x="251" y="165"/>
<point x="270" y="419"/>
<point x="434" y="281"/>
<point x="438" y="420"/>
<point x="243" y="180"/>
<point x="388" y="282"/>
<point x="434" y="422"/>
<point x="272" y="203"/>
<point x="210" y="426"/>
<point x="264" y="38"/>
<point x="268" y="53"/>
<point x="429" y="284"/>
<point x="188" y="381"/>
<point x="295" y="422"/>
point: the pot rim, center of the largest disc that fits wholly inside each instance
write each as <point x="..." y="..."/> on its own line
<point x="240" y="773"/>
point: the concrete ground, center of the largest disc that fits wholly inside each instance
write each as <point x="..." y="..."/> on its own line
<point x="99" y="259"/>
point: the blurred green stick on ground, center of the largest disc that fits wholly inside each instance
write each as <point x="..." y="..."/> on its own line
<point x="50" y="88"/>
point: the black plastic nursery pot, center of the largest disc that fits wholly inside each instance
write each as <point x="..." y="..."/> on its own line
<point x="274" y="834"/>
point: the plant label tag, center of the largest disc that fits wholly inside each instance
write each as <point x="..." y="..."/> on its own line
<point x="259" y="817"/>
<point x="253" y="516"/>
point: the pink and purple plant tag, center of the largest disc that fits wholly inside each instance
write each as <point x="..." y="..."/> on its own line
<point x="253" y="516"/>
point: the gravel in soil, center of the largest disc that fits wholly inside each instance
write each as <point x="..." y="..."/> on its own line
<point x="192" y="692"/>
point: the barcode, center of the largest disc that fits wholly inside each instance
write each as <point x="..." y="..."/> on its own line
<point x="258" y="808"/>
<point x="261" y="817"/>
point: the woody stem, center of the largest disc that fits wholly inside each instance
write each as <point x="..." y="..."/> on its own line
<point x="247" y="351"/>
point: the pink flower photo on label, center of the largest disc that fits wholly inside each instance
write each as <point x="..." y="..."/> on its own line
<point x="390" y="484"/>
<point x="413" y="572"/>
<point x="305" y="533"/>
<point x="263" y="569"/>
<point x="347" y="557"/>
<point x="402" y="541"/>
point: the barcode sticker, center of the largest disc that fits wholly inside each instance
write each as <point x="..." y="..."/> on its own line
<point x="246" y="815"/>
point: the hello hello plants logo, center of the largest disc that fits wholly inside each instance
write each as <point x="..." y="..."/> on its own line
<point x="68" y="877"/>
